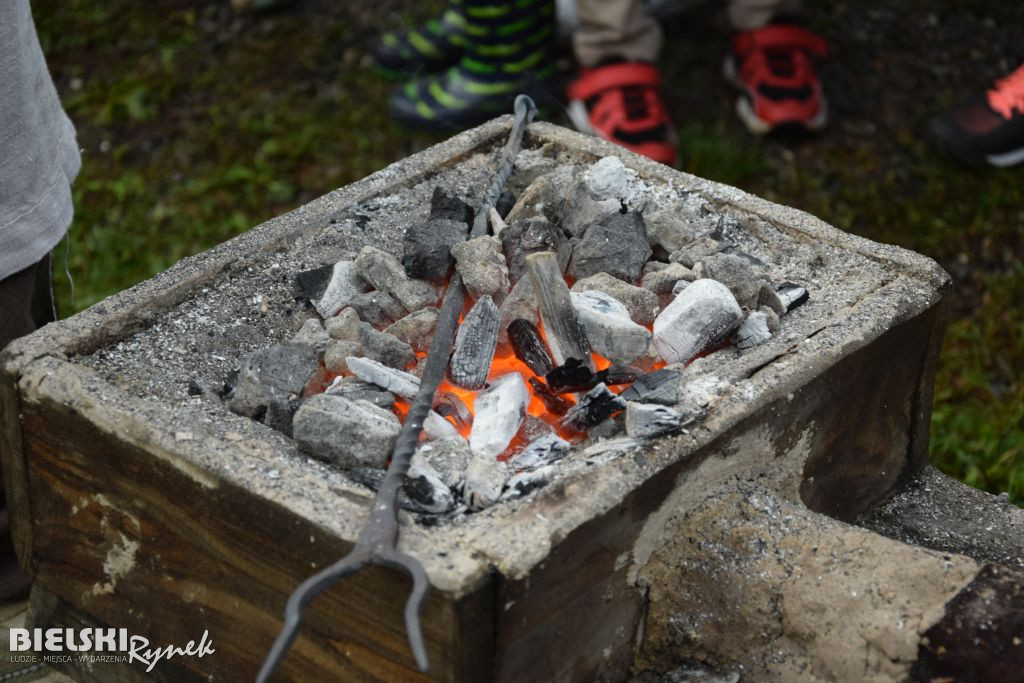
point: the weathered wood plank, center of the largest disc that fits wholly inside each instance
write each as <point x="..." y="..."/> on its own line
<point x="15" y="478"/>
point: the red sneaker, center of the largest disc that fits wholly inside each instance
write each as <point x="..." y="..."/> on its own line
<point x="622" y="102"/>
<point x="774" y="67"/>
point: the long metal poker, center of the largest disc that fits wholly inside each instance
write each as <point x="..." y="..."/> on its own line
<point x="377" y="542"/>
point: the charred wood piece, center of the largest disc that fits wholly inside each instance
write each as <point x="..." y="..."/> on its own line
<point x="566" y="334"/>
<point x="554" y="403"/>
<point x="474" y="345"/>
<point x="540" y="452"/>
<point x="595" y="407"/>
<point x="660" y="386"/>
<point x="449" y="207"/>
<point x="447" y="404"/>
<point x="753" y="331"/>
<point x="500" y="410"/>
<point x="525" y="237"/>
<point x="792" y="295"/>
<point x="644" y="420"/>
<point x="529" y="347"/>
<point x="618" y="374"/>
<point x="396" y="381"/>
<point x="701" y="317"/>
<point x="426" y="248"/>
<point x="330" y="288"/>
<point x="610" y="330"/>
<point x="571" y="376"/>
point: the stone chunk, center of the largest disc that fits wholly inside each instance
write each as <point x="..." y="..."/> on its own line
<point x="377" y="308"/>
<point x="356" y="389"/>
<point x="525" y="237"/>
<point x="415" y="329"/>
<point x="330" y="288"/>
<point x="276" y="372"/>
<point x="397" y="382"/>
<point x="668" y="229"/>
<point x="313" y="335"/>
<point x="345" y="432"/>
<point x="616" y="244"/>
<point x="664" y="281"/>
<point x="384" y="272"/>
<point x="385" y="348"/>
<point x="540" y="452"/>
<point x="644" y="420"/>
<point x="642" y="304"/>
<point x="742" y="277"/>
<point x="426" y="249"/>
<point x="753" y="331"/>
<point x="701" y="317"/>
<point x="344" y="325"/>
<point x="609" y="328"/>
<point x="482" y="267"/>
<point x="500" y="410"/>
<point x="695" y="251"/>
<point x="449" y="207"/>
<point x="595" y="407"/>
<point x="337" y="351"/>
<point x="474" y="345"/>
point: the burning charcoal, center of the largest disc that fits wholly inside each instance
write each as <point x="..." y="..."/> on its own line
<point x="698" y="319"/>
<point x="485" y="479"/>
<point x="753" y="331"/>
<point x="395" y="381"/>
<point x="520" y="303"/>
<point x="274" y="372"/>
<point x="616" y="245"/>
<point x="377" y="308"/>
<point x="500" y="409"/>
<point x="742" y="278"/>
<point x="330" y="288"/>
<point x="450" y="207"/>
<point x="280" y="412"/>
<point x="384" y="347"/>
<point x="474" y="345"/>
<point x="448" y="458"/>
<point x="436" y="428"/>
<point x="641" y="303"/>
<point x="609" y="328"/>
<point x="358" y="390"/>
<point x="551" y="401"/>
<point x="529" y="347"/>
<point x="448" y="404"/>
<point x="792" y="295"/>
<point x="482" y="267"/>
<point x="415" y="329"/>
<point x="426" y="491"/>
<point x="532" y="429"/>
<point x="595" y="407"/>
<point x="345" y="432"/>
<point x="384" y="272"/>
<point x="345" y="325"/>
<point x="662" y="281"/>
<point x="528" y="481"/>
<point x="695" y="251"/>
<point x="565" y="333"/>
<point x="337" y="351"/>
<point x="668" y="229"/>
<point x="572" y="376"/>
<point x="660" y="386"/>
<point x="526" y="237"/>
<point x="618" y="374"/>
<point x="644" y="420"/>
<point x="426" y="250"/>
<point x="313" y="335"/>
<point x="543" y="451"/>
<point x="505" y="203"/>
<point x="607" y="179"/>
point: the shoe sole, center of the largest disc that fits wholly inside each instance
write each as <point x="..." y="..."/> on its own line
<point x="759" y="126"/>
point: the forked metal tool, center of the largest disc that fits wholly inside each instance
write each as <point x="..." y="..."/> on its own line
<point x="378" y="541"/>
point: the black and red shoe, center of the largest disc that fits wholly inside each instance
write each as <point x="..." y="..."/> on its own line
<point x="774" y="67"/>
<point x="988" y="129"/>
<point x="622" y="102"/>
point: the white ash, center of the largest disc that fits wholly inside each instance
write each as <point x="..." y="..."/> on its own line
<point x="384" y="272"/>
<point x="753" y="331"/>
<point x="500" y="409"/>
<point x="449" y="457"/>
<point x="349" y="433"/>
<point x="396" y="381"/>
<point x="642" y="304"/>
<point x="540" y="452"/>
<point x="485" y="479"/>
<point x="608" y="178"/>
<point x="527" y="481"/>
<point x="701" y="317"/>
<point x="610" y="330"/>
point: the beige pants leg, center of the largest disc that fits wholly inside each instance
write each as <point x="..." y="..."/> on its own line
<point x="621" y="28"/>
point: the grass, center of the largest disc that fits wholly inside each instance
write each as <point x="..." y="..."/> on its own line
<point x="197" y="124"/>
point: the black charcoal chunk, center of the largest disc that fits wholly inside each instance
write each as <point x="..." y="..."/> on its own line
<point x="660" y="386"/>
<point x="525" y="237"/>
<point x="571" y="376"/>
<point x="540" y="452"/>
<point x="616" y="244"/>
<point x="474" y="345"/>
<point x="377" y="308"/>
<point x="276" y="372"/>
<point x="645" y="420"/>
<point x="792" y="295"/>
<point x="554" y="403"/>
<point x="313" y="283"/>
<point x="505" y="203"/>
<point x="595" y="407"/>
<point x="426" y="250"/>
<point x="446" y="206"/>
<point x="280" y="413"/>
<point x="529" y="347"/>
<point x="618" y="374"/>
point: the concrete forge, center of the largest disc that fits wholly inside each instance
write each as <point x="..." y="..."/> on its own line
<point x="734" y="547"/>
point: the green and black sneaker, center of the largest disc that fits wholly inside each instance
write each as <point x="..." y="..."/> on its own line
<point x="508" y="50"/>
<point x="430" y="47"/>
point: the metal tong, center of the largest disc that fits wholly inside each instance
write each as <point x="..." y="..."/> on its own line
<point x="378" y="541"/>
